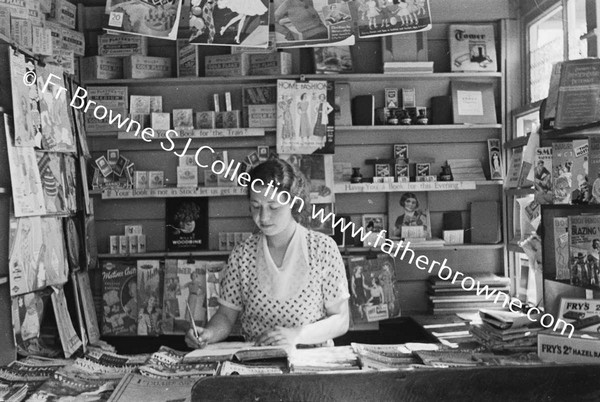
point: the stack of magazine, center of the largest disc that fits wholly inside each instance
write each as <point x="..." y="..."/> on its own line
<point x="506" y="331"/>
<point x="446" y="297"/>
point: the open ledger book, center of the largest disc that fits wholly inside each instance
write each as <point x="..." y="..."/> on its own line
<point x="241" y="351"/>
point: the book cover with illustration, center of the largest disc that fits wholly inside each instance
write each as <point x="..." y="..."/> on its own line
<point x="52" y="175"/>
<point x="155" y="19"/>
<point x="57" y="131"/>
<point x="27" y="311"/>
<point x="305" y="118"/>
<point x="318" y="170"/>
<point x="312" y="23"/>
<point x="542" y="173"/>
<point x="384" y="17"/>
<point x="68" y="337"/>
<point x="186" y="223"/>
<point x="594" y="168"/>
<point x="184" y="285"/>
<point x="26" y="184"/>
<point x="409" y="216"/>
<point x="37" y="256"/>
<point x="120" y="297"/>
<point x="581" y="188"/>
<point x="561" y="248"/>
<point x="333" y="60"/>
<point x="373" y="292"/>
<point x="149" y="297"/>
<point x="584" y="247"/>
<point x="230" y="23"/>
<point x="26" y="110"/>
<point x="562" y="163"/>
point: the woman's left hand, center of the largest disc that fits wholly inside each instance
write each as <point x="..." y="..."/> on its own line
<point x="279" y="336"/>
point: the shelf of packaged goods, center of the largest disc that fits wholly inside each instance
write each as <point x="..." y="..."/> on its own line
<point x="348" y="188"/>
<point x="168" y="254"/>
<point x="168" y="192"/>
<point x="520" y="191"/>
<point x="172" y="81"/>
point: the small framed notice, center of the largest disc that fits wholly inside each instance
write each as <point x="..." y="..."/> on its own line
<point x="473" y="103"/>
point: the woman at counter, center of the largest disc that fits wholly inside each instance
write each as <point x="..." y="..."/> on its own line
<point x="287" y="283"/>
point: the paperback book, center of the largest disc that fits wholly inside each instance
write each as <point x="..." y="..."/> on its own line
<point x="305" y="118"/>
<point x="155" y="19"/>
<point x="119" y="294"/>
<point x="185" y="295"/>
<point x="584" y="244"/>
<point x="186" y="223"/>
<point x="26" y="184"/>
<point x="382" y="18"/>
<point x="373" y="295"/>
<point x="149" y="295"/>
<point x="37" y="255"/>
<point x="230" y="23"/>
<point x="312" y="23"/>
<point x="57" y="129"/>
<point x="562" y="177"/>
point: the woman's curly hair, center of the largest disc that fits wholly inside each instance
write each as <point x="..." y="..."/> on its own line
<point x="289" y="179"/>
<point x="188" y="211"/>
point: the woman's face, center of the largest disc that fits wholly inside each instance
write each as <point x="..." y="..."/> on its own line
<point x="410" y="204"/>
<point x="268" y="214"/>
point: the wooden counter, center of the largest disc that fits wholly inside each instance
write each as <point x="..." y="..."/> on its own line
<point x="514" y="383"/>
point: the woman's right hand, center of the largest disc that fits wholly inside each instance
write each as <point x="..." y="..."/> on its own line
<point x="197" y="342"/>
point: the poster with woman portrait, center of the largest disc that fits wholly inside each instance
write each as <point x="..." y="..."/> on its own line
<point x="409" y="216"/>
<point x="305" y="118"/>
<point x="230" y="23"/>
<point x="186" y="224"/>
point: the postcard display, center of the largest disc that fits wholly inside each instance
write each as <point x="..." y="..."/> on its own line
<point x="48" y="225"/>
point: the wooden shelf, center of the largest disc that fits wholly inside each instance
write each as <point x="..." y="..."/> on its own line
<point x="168" y="254"/>
<point x="173" y="81"/>
<point x="168" y="192"/>
<point x="416" y="248"/>
<point x="349" y="188"/>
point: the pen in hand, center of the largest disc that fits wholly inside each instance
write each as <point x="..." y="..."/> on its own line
<point x="192" y="321"/>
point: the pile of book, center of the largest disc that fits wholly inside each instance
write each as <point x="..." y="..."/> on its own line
<point x="310" y="360"/>
<point x="407" y="67"/>
<point x="385" y="357"/>
<point x="505" y="331"/>
<point x="446" y="297"/>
